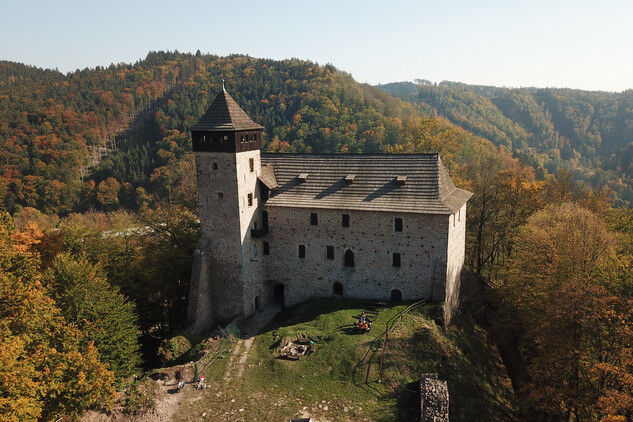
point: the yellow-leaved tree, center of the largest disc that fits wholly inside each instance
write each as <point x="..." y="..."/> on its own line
<point x="47" y="369"/>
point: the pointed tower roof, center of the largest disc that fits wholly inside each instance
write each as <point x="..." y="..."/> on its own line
<point x="225" y="115"/>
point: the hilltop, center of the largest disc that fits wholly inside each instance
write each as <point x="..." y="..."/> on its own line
<point x="340" y="381"/>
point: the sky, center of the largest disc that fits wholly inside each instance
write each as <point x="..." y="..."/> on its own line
<point x="554" y="43"/>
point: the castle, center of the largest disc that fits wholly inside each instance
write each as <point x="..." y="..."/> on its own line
<point x="285" y="228"/>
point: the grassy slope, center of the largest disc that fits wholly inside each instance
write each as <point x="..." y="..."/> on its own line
<point x="331" y="383"/>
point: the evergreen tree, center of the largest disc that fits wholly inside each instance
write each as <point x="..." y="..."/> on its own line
<point x="86" y="299"/>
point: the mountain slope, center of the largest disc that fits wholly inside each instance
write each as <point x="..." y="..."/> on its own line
<point x="590" y="133"/>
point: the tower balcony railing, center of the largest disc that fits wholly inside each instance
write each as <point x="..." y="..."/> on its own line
<point x="257" y="233"/>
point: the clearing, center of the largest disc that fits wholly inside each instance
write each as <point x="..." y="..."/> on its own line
<point x="341" y="380"/>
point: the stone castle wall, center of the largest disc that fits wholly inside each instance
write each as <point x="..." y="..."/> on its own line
<point x="226" y="219"/>
<point x="456" y="254"/>
<point x="232" y="275"/>
<point x="373" y="240"/>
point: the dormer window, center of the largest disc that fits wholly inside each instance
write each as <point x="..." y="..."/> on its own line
<point x="350" y="178"/>
<point x="302" y="177"/>
<point x="401" y="180"/>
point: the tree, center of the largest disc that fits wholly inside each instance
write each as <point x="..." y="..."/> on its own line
<point x="107" y="193"/>
<point x="48" y="369"/>
<point x="562" y="291"/>
<point x="86" y="299"/>
<point x="505" y="195"/>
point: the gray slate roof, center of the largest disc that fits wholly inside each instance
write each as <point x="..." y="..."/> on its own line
<point x="225" y="115"/>
<point x="427" y="189"/>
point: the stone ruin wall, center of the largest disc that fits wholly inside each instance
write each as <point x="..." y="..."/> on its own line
<point x="434" y="403"/>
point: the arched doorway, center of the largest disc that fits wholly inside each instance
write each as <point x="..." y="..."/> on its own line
<point x="349" y="258"/>
<point x="396" y="296"/>
<point x="337" y="289"/>
<point x="279" y="295"/>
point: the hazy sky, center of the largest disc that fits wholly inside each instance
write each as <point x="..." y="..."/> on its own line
<point x="553" y="43"/>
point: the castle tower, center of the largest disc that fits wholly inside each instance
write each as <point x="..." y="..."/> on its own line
<point x="226" y="143"/>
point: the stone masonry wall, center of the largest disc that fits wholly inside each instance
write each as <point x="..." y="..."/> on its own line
<point x="434" y="400"/>
<point x="226" y="219"/>
<point x="456" y="253"/>
<point x="371" y="236"/>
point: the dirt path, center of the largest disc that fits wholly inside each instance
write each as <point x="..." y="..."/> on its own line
<point x="169" y="401"/>
<point x="250" y="329"/>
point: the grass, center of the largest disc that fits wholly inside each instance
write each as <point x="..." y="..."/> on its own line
<point x="334" y="383"/>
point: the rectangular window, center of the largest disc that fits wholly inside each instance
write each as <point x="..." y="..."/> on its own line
<point x="220" y="195"/>
<point x="250" y="199"/>
<point x="251" y="164"/>
<point x="266" y="248"/>
<point x="330" y="252"/>
<point x="215" y="166"/>
<point x="397" y="224"/>
<point x="314" y="218"/>
<point x="396" y="260"/>
<point x="345" y="220"/>
<point x="302" y="251"/>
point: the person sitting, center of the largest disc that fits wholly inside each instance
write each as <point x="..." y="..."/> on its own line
<point x="361" y="320"/>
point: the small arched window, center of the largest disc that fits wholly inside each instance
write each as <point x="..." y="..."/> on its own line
<point x="349" y="258"/>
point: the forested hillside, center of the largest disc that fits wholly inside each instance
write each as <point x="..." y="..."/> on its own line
<point x="54" y="124"/>
<point x="98" y="221"/>
<point x="589" y="133"/>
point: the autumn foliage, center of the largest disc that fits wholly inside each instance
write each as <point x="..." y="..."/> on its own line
<point x="48" y="367"/>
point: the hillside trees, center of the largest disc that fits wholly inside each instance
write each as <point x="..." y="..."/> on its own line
<point x="550" y="129"/>
<point x="87" y="300"/>
<point x="505" y="195"/>
<point x="563" y="291"/>
<point x="48" y="367"/>
<point x="148" y="257"/>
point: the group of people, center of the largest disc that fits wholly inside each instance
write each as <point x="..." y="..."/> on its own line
<point x="364" y="324"/>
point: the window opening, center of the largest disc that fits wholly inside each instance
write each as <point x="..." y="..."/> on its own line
<point x="345" y="220"/>
<point x="251" y="164"/>
<point x="266" y="246"/>
<point x="314" y="218"/>
<point x="250" y="199"/>
<point x="397" y="224"/>
<point x="302" y="251"/>
<point x="349" y="258"/>
<point x="215" y="166"/>
<point x="396" y="259"/>
<point x="330" y="252"/>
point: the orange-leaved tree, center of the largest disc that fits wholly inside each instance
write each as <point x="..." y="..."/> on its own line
<point x="47" y="369"/>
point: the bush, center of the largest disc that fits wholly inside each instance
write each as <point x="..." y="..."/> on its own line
<point x="173" y="348"/>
